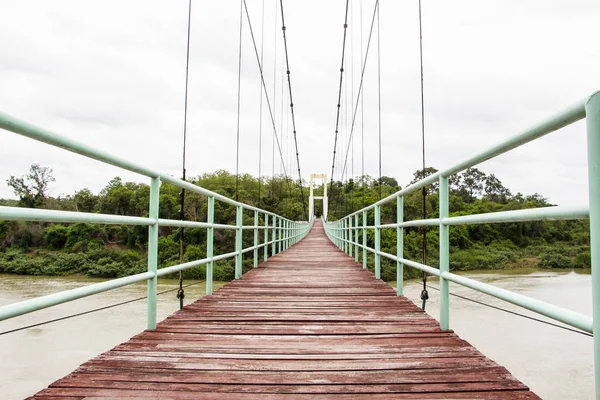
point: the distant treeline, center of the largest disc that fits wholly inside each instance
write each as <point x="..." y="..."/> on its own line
<point x="118" y="250"/>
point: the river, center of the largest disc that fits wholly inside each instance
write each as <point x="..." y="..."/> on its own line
<point x="555" y="363"/>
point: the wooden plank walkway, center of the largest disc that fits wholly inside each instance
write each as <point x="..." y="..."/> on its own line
<point x="310" y="323"/>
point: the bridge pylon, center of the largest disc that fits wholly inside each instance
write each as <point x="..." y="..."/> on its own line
<point x="312" y="198"/>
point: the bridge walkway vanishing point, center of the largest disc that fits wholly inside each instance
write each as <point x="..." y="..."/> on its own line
<point x="308" y="323"/>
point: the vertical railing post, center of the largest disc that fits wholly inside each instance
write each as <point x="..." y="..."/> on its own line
<point x="356" y="237"/>
<point x="377" y="241"/>
<point x="344" y="243"/>
<point x="274" y="237"/>
<point x="592" y="110"/>
<point x="444" y="256"/>
<point x="266" y="235"/>
<point x="210" y="239"/>
<point x="399" y="245"/>
<point x="350" y="245"/>
<point x="280" y="236"/>
<point x="238" y="241"/>
<point x="364" y="239"/>
<point x="153" y="252"/>
<point x="255" y="239"/>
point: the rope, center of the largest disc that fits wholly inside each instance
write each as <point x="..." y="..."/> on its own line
<point x="180" y="292"/>
<point x="287" y="63"/>
<point x="337" y="118"/>
<point x="424" y="294"/>
<point x="517" y="314"/>
<point x="239" y="91"/>
<point x="92" y="311"/>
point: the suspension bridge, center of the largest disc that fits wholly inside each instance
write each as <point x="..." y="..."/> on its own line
<point x="308" y="319"/>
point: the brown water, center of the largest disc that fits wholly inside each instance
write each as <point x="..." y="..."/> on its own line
<point x="556" y="364"/>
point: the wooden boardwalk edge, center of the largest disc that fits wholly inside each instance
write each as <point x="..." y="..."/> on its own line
<point x="310" y="323"/>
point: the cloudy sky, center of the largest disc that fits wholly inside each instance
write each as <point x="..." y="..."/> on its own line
<point x="111" y="74"/>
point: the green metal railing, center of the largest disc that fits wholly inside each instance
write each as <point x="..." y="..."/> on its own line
<point x="279" y="233"/>
<point x="345" y="232"/>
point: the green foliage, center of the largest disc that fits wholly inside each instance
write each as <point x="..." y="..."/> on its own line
<point x="120" y="250"/>
<point x="56" y="236"/>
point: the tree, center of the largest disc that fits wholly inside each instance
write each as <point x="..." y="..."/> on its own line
<point x="32" y="189"/>
<point x="494" y="190"/>
<point x="472" y="182"/>
<point x="85" y="201"/>
<point x="424" y="173"/>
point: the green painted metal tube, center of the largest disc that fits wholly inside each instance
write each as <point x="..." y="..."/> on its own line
<point x="266" y="231"/>
<point x="153" y="252"/>
<point x="210" y="240"/>
<point x="255" y="263"/>
<point x="239" y="216"/>
<point x="592" y="108"/>
<point x="364" y="239"/>
<point x="350" y="231"/>
<point x="274" y="236"/>
<point x="399" y="246"/>
<point x="532" y="214"/>
<point x="377" y="242"/>
<point x="562" y="119"/>
<point x="568" y="317"/>
<point x="34" y="214"/>
<point x="182" y="267"/>
<point x="27" y="306"/>
<point x="356" y="237"/>
<point x="225" y="256"/>
<point x="444" y="239"/>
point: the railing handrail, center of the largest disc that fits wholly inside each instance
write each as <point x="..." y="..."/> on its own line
<point x="284" y="232"/>
<point x="345" y="231"/>
<point x="562" y="119"/>
<point x="23" y="128"/>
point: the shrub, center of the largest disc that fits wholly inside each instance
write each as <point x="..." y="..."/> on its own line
<point x="583" y="260"/>
<point x="55" y="236"/>
<point x="555" y="260"/>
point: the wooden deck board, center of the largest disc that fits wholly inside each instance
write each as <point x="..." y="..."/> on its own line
<point x="310" y="323"/>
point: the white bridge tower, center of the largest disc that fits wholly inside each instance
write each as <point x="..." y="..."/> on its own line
<point x="311" y="199"/>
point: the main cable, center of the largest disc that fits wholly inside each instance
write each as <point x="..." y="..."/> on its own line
<point x="287" y="63"/>
<point x="337" y="118"/>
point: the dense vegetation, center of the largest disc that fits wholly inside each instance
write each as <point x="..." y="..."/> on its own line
<point x="119" y="250"/>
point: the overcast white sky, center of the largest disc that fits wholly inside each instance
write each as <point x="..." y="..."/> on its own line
<point x="111" y="74"/>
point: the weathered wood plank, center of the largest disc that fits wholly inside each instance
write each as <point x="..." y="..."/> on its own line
<point x="310" y="323"/>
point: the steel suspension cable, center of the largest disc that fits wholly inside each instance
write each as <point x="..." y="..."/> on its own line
<point x="180" y="292"/>
<point x="362" y="75"/>
<point x="337" y="118"/>
<point x="379" y="98"/>
<point x="424" y="293"/>
<point x="237" y="148"/>
<point x="289" y="80"/>
<point x="516" y="313"/>
<point x="262" y="78"/>
<point x="260" y="108"/>
<point x="92" y="310"/>
<point x="362" y="118"/>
